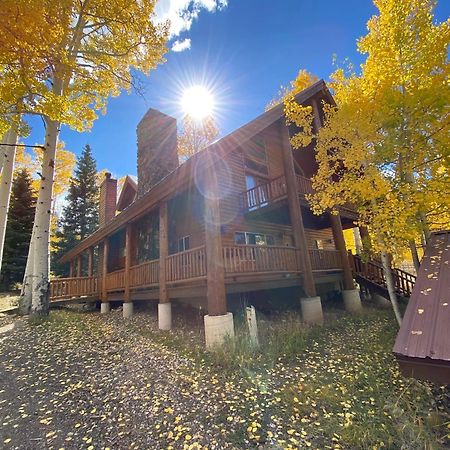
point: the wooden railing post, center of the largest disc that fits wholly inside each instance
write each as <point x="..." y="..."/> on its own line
<point x="339" y="241"/>
<point x="105" y="268"/>
<point x="79" y="262"/>
<point x="217" y="303"/>
<point x="163" y="253"/>
<point x="296" y="213"/>
<point x="128" y="231"/>
<point x="91" y="261"/>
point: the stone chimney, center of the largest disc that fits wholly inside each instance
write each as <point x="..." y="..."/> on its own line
<point x="108" y="200"/>
<point x="157" y="149"/>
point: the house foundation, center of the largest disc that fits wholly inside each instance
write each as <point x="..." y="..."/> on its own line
<point x="352" y="301"/>
<point x="218" y="329"/>
<point x="128" y="310"/>
<point x="165" y="316"/>
<point x="105" y="307"/>
<point x="311" y="310"/>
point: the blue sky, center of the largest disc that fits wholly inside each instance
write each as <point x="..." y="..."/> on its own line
<point x="243" y="50"/>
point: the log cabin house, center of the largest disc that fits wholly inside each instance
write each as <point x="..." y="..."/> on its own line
<point x="232" y="219"/>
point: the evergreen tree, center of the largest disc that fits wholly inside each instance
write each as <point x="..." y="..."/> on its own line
<point x="80" y="216"/>
<point x="18" y="229"/>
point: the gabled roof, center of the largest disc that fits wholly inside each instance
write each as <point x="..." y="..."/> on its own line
<point x="423" y="342"/>
<point x="127" y="193"/>
<point x="185" y="171"/>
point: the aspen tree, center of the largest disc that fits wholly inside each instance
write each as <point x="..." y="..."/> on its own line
<point x="9" y="152"/>
<point x="384" y="148"/>
<point x="88" y="57"/>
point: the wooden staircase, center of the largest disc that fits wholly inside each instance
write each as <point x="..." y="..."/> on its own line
<point x="369" y="274"/>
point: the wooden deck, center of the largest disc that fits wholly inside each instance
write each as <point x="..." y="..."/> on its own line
<point x="249" y="262"/>
<point x="272" y="191"/>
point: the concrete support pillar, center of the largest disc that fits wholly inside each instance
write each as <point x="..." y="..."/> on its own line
<point x="380" y="301"/>
<point x="165" y="316"/>
<point x="105" y="307"/>
<point x="127" y="310"/>
<point x="352" y="301"/>
<point x="218" y="329"/>
<point x="311" y="310"/>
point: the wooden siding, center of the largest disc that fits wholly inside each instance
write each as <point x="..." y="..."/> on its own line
<point x="185" y="218"/>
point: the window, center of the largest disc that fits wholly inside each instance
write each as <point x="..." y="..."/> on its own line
<point x="183" y="243"/>
<point x="256" y="149"/>
<point x="256" y="166"/>
<point x="241" y="238"/>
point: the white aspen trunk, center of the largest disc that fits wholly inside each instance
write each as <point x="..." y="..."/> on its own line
<point x="27" y="285"/>
<point x="358" y="241"/>
<point x="391" y="286"/>
<point x="41" y="230"/>
<point x="5" y="186"/>
<point x="3" y="151"/>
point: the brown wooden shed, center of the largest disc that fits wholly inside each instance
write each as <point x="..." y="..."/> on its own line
<point x="422" y="347"/>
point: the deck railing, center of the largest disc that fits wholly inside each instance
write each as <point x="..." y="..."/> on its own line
<point x="115" y="281"/>
<point x="325" y="259"/>
<point x="61" y="288"/>
<point x="373" y="272"/>
<point x="273" y="190"/>
<point x="145" y="274"/>
<point x="191" y="265"/>
<point x="186" y="265"/>
<point x="257" y="258"/>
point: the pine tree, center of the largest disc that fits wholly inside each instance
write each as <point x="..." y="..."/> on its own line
<point x="18" y="229"/>
<point x="80" y="215"/>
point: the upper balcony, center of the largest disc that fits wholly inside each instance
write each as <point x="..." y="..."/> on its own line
<point x="274" y="190"/>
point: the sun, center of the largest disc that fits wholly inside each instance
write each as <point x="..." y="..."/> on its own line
<point x="198" y="102"/>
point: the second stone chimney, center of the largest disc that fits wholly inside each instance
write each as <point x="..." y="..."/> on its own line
<point x="157" y="149"/>
<point x="108" y="200"/>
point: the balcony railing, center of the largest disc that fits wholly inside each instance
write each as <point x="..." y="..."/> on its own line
<point x="325" y="259"/>
<point x="186" y="265"/>
<point x="73" y="287"/>
<point x="192" y="265"/>
<point x="115" y="281"/>
<point x="145" y="274"/>
<point x="257" y="258"/>
<point x="271" y="191"/>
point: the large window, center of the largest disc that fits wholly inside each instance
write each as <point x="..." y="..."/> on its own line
<point x="242" y="238"/>
<point x="184" y="244"/>
<point x="255" y="157"/>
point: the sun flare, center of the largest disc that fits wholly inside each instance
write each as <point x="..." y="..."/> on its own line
<point x="197" y="102"/>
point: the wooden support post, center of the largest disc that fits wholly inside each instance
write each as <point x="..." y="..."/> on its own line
<point x="105" y="268"/>
<point x="79" y="263"/>
<point x="91" y="262"/>
<point x="163" y="252"/>
<point x="316" y="113"/>
<point x="296" y="213"/>
<point x="215" y="278"/>
<point x="128" y="231"/>
<point x="71" y="269"/>
<point x="339" y="241"/>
